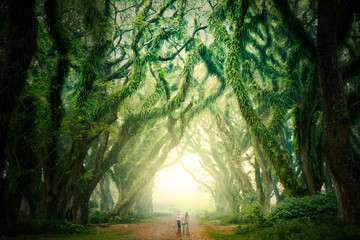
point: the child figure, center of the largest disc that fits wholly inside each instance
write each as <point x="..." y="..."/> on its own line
<point x="183" y="222"/>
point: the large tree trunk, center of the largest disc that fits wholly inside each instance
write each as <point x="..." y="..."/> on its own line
<point x="20" y="47"/>
<point x="343" y="168"/>
<point x="106" y="201"/>
<point x="12" y="205"/>
<point x="304" y="121"/>
<point x="259" y="188"/>
<point x="279" y="197"/>
<point x="265" y="176"/>
<point x="56" y="85"/>
<point x="144" y="203"/>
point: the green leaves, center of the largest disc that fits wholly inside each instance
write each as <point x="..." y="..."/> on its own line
<point x="305" y="208"/>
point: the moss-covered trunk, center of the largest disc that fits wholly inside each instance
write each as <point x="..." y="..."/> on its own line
<point x="263" y="136"/>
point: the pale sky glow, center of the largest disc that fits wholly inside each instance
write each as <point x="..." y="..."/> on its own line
<point x="175" y="188"/>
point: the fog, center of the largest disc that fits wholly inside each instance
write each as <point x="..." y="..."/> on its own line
<point x="176" y="190"/>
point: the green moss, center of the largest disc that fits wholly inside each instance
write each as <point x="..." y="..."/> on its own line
<point x="266" y="139"/>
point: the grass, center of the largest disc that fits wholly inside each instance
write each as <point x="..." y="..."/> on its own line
<point x="227" y="236"/>
<point x="103" y="235"/>
<point x="292" y="230"/>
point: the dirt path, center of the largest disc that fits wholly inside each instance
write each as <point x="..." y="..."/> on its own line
<point x="165" y="228"/>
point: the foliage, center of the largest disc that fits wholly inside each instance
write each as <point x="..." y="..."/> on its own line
<point x="305" y="208"/>
<point x="41" y="226"/>
<point x="311" y="209"/>
<point x="103" y="235"/>
<point x="93" y="205"/>
<point x="300" y="230"/>
<point x="97" y="216"/>
<point x="135" y="217"/>
<point x="223" y="218"/>
<point x="110" y="91"/>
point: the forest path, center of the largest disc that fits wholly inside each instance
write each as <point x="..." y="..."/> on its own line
<point x="165" y="228"/>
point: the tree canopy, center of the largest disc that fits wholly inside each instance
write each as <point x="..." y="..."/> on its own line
<point x="99" y="92"/>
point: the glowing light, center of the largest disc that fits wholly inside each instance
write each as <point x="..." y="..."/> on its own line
<point x="175" y="188"/>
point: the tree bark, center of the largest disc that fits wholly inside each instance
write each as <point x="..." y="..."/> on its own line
<point x="343" y="167"/>
<point x="20" y="48"/>
<point x="304" y="122"/>
<point x="259" y="188"/>
<point x="265" y="175"/>
<point x="56" y="85"/>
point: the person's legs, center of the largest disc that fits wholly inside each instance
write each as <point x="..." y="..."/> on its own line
<point x="179" y="224"/>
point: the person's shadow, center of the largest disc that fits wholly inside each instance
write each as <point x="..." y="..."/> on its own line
<point x="185" y="231"/>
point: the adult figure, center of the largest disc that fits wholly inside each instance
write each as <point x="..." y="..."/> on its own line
<point x="187" y="219"/>
<point x="178" y="221"/>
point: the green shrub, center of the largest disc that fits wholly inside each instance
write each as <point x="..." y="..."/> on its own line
<point x="133" y="217"/>
<point x="93" y="205"/>
<point x="96" y="217"/>
<point x="295" y="210"/>
<point x="223" y="218"/>
<point x="300" y="230"/>
<point x="308" y="208"/>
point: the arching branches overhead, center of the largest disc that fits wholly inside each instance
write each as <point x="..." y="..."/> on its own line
<point x="115" y="86"/>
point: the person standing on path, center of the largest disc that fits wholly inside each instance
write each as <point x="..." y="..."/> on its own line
<point x="187" y="219"/>
<point x="178" y="220"/>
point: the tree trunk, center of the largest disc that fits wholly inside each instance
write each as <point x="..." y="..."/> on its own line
<point x="267" y="190"/>
<point x="56" y="86"/>
<point x="304" y="122"/>
<point x="266" y="178"/>
<point x="12" y="205"/>
<point x="343" y="167"/>
<point x="82" y="215"/>
<point x="279" y="197"/>
<point x="20" y="47"/>
<point x="259" y="188"/>
<point x="106" y="201"/>
<point x="328" y="182"/>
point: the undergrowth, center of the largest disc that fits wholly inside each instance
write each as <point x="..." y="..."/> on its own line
<point x="305" y="218"/>
<point x="309" y="208"/>
<point x="97" y="217"/>
<point x="222" y="218"/>
<point x="43" y="226"/>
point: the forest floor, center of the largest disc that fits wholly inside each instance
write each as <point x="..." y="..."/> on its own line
<point x="161" y="228"/>
<point x="165" y="228"/>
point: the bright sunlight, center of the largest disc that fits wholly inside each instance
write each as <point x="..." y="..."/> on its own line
<point x="175" y="188"/>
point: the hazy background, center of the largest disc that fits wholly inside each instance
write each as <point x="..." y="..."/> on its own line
<point x="175" y="188"/>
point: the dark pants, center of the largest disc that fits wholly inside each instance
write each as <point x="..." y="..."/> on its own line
<point x="179" y="223"/>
